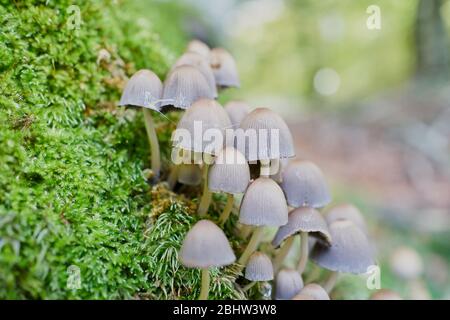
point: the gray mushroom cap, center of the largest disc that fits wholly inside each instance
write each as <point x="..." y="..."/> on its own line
<point x="224" y="68"/>
<point x="199" y="47"/>
<point x="304" y="185"/>
<point x="259" y="267"/>
<point x="189" y="174"/>
<point x="288" y="284"/>
<point x="183" y="86"/>
<point x="315" y="291"/>
<point x="266" y="123"/>
<point x="349" y="212"/>
<point x="277" y="176"/>
<point x="350" y="251"/>
<point x="204" y="246"/>
<point x="229" y="173"/>
<point x="143" y="89"/>
<point x="303" y="219"/>
<point x="237" y="110"/>
<point x="210" y="115"/>
<point x="263" y="204"/>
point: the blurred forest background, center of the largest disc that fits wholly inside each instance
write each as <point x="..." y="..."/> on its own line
<point x="371" y="106"/>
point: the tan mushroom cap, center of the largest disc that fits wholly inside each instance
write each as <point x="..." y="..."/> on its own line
<point x="199" y="47"/>
<point x="224" y="68"/>
<point x="303" y="219"/>
<point x="304" y="185"/>
<point x="183" y="86"/>
<point x="266" y="123"/>
<point x="204" y="114"/>
<point x="263" y="204"/>
<point x="350" y="251"/>
<point x="288" y="284"/>
<point x="259" y="267"/>
<point x="229" y="173"/>
<point x="237" y="110"/>
<point x="385" y="294"/>
<point x="406" y="263"/>
<point x="315" y="291"/>
<point x="202" y="64"/>
<point x="189" y="174"/>
<point x="348" y="212"/>
<point x="205" y="245"/>
<point x="144" y="89"/>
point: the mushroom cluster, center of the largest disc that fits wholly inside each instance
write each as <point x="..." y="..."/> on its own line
<point x="217" y="146"/>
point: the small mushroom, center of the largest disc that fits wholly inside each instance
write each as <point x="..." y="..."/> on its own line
<point x="263" y="204"/>
<point x="315" y="291"/>
<point x="230" y="174"/>
<point x="237" y="110"/>
<point x="224" y="68"/>
<point x="385" y="294"/>
<point x="259" y="268"/>
<point x="205" y="246"/>
<point x="144" y="89"/>
<point x="350" y="251"/>
<point x="301" y="221"/>
<point x="199" y="47"/>
<point x="288" y="284"/>
<point x="304" y="185"/>
<point x="348" y="212"/>
<point x="406" y="263"/>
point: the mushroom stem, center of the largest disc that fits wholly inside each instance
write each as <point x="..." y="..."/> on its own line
<point x="153" y="140"/>
<point x="248" y="286"/>
<point x="173" y="176"/>
<point x="204" y="291"/>
<point x="252" y="245"/>
<point x="245" y="231"/>
<point x="265" y="168"/>
<point x="331" y="281"/>
<point x="227" y="210"/>
<point x="303" y="252"/>
<point x="282" y="253"/>
<point x="207" y="195"/>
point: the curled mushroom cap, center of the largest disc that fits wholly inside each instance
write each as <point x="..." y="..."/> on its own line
<point x="202" y="64"/>
<point x="184" y="85"/>
<point x="263" y="204"/>
<point x="144" y="89"/>
<point x="189" y="174"/>
<point x="315" y="291"/>
<point x="259" y="267"/>
<point x="304" y="185"/>
<point x="303" y="219"/>
<point x="206" y="246"/>
<point x="266" y="124"/>
<point x="237" y="110"/>
<point x="203" y="115"/>
<point x="288" y="284"/>
<point x="406" y="263"/>
<point x="229" y="173"/>
<point x="199" y="47"/>
<point x="385" y="294"/>
<point x="224" y="68"/>
<point x="350" y="251"/>
<point x="348" y="212"/>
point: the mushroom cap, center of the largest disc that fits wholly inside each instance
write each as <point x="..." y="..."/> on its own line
<point x="315" y="291"/>
<point x="406" y="263"/>
<point x="264" y="121"/>
<point x="303" y="219"/>
<point x="199" y="47"/>
<point x="189" y="174"/>
<point x="348" y="212"/>
<point x="229" y="173"/>
<point x="143" y="89"/>
<point x="302" y="296"/>
<point x="237" y="110"/>
<point x="259" y="267"/>
<point x="202" y="64"/>
<point x="183" y="86"/>
<point x="304" y="185"/>
<point x="224" y="68"/>
<point x="263" y="204"/>
<point x="282" y="163"/>
<point x="205" y="245"/>
<point x="288" y="284"/>
<point x="385" y="294"/>
<point x="204" y="114"/>
<point x="350" y="251"/>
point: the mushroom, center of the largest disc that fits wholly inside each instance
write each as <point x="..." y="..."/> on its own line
<point x="183" y="86"/>
<point x="144" y="89"/>
<point x="205" y="246"/>
<point x="259" y="268"/>
<point x="305" y="221"/>
<point x="406" y="263"/>
<point x="315" y="291"/>
<point x="230" y="174"/>
<point x="350" y="252"/>
<point x="263" y="204"/>
<point x="189" y="174"/>
<point x="277" y="176"/>
<point x="199" y="47"/>
<point x="205" y="116"/>
<point x="268" y="138"/>
<point x="302" y="296"/>
<point x="304" y="185"/>
<point x="224" y="68"/>
<point x="385" y="294"/>
<point x="349" y="212"/>
<point x="288" y="284"/>
<point x="237" y="110"/>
